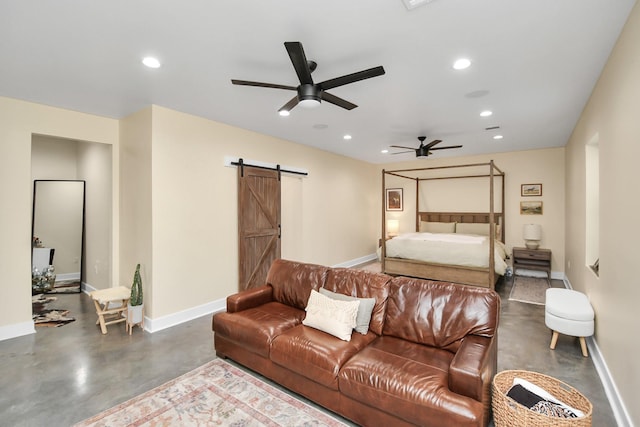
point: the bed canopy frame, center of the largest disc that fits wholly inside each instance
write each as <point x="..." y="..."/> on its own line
<point x="477" y="276"/>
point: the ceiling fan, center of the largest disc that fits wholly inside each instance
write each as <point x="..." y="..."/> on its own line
<point x="424" y="150"/>
<point x="310" y="94"/>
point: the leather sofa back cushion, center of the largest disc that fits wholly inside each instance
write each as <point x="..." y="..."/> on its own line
<point x="292" y="281"/>
<point x="362" y="284"/>
<point x="439" y="314"/>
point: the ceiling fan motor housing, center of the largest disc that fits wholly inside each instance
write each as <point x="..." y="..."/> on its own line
<point x="422" y="151"/>
<point x="309" y="92"/>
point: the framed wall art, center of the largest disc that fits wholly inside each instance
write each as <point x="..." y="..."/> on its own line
<point x="531" y="190"/>
<point x="530" y="208"/>
<point x="394" y="199"/>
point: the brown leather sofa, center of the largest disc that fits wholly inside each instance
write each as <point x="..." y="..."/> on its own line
<point x="428" y="358"/>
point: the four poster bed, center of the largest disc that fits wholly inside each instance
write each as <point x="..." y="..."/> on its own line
<point x="455" y="247"/>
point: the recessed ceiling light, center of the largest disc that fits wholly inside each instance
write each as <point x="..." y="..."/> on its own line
<point x="497" y="137"/>
<point x="151" y="62"/>
<point x="486" y="113"/>
<point x="347" y="137"/>
<point x="412" y="4"/>
<point x="384" y="151"/>
<point x="284" y="113"/>
<point x="461" y="64"/>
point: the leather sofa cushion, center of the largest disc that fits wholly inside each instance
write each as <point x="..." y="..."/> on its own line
<point x="315" y="354"/>
<point x="292" y="281"/>
<point x="362" y="284"/>
<point x="408" y="380"/>
<point x="439" y="314"/>
<point x="254" y="329"/>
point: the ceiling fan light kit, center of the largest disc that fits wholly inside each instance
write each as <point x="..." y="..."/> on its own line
<point x="310" y="94"/>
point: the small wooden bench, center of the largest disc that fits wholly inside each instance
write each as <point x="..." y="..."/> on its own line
<point x="111" y="305"/>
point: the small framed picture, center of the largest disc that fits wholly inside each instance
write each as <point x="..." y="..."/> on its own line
<point x="394" y="199"/>
<point x="531" y="190"/>
<point x="530" y="208"/>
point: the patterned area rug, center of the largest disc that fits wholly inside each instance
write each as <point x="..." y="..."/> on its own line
<point x="529" y="289"/>
<point x="48" y="317"/>
<point x="219" y="394"/>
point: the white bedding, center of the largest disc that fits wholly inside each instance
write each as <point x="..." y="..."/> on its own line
<point x="443" y="248"/>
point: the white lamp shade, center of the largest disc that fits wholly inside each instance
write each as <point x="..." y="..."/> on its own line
<point x="393" y="225"/>
<point x="532" y="232"/>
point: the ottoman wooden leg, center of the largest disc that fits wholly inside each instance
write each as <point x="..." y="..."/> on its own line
<point x="583" y="345"/>
<point x="554" y="340"/>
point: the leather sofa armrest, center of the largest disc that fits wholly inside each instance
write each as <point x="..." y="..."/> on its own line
<point x="250" y="298"/>
<point x="472" y="368"/>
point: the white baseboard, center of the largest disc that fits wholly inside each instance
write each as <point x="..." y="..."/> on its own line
<point x="16" y="330"/>
<point x="160" y="323"/>
<point x="87" y="288"/>
<point x="623" y="418"/>
<point x="357" y="261"/>
<point x="620" y="412"/>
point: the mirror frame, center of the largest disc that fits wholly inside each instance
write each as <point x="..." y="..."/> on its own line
<point x="82" y="232"/>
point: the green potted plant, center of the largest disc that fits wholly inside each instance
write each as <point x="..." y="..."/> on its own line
<point x="135" y="307"/>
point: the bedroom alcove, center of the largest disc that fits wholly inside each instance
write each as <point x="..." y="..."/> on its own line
<point x="83" y="168"/>
<point x="464" y="205"/>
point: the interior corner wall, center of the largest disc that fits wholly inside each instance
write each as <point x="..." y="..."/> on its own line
<point x="67" y="159"/>
<point x="329" y="217"/>
<point x="96" y="169"/>
<point x="612" y="115"/>
<point x="136" y="215"/>
<point x="19" y="120"/>
<point x="544" y="167"/>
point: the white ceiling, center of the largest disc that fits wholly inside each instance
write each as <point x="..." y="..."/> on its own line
<point x="534" y="64"/>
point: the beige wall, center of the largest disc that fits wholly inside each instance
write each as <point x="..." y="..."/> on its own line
<point x="328" y="217"/>
<point x="95" y="167"/>
<point x="135" y="207"/>
<point x="19" y="120"/>
<point x="544" y="167"/>
<point x="611" y="116"/>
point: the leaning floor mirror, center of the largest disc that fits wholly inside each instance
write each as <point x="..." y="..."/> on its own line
<point x="58" y="236"/>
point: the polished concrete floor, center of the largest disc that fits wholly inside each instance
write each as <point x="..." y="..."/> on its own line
<point x="60" y="376"/>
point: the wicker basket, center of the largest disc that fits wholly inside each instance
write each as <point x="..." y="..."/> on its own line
<point x="507" y="412"/>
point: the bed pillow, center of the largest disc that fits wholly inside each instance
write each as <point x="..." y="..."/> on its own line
<point x="334" y="317"/>
<point x="364" y="310"/>
<point x="437" y="227"/>
<point x="473" y="228"/>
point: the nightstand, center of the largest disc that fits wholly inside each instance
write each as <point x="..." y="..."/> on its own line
<point x="532" y="259"/>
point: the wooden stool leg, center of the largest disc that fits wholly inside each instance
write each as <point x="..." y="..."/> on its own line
<point x="554" y="340"/>
<point x="99" y="311"/>
<point x="583" y="345"/>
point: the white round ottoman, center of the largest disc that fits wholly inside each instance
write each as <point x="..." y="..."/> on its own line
<point x="568" y="312"/>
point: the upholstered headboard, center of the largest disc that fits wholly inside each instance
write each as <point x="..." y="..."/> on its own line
<point x="463" y="217"/>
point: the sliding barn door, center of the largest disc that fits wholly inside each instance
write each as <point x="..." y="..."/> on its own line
<point x="258" y="224"/>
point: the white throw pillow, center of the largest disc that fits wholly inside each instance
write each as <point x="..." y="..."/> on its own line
<point x="334" y="317"/>
<point x="364" y="311"/>
<point x="481" y="229"/>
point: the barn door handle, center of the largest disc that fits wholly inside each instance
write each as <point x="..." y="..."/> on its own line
<point x="279" y="231"/>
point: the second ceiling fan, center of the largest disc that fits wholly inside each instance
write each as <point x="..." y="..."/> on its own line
<point x="424" y="150"/>
<point x="310" y="93"/>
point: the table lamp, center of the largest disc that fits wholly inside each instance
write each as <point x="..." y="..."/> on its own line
<point x="532" y="234"/>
